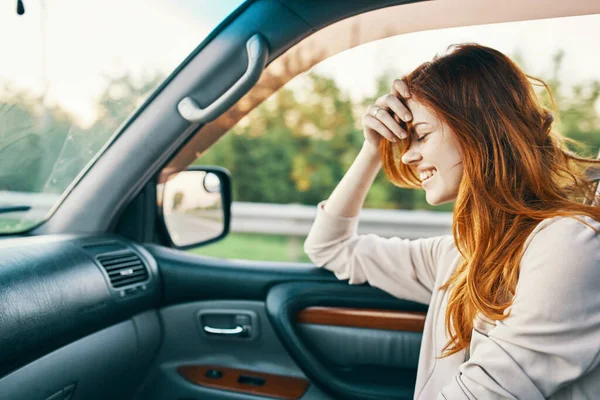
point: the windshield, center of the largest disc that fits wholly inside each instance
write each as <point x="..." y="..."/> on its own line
<point x="71" y="73"/>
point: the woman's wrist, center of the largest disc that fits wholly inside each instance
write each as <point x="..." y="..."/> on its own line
<point x="370" y="150"/>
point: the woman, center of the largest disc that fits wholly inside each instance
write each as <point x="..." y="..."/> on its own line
<point x="514" y="293"/>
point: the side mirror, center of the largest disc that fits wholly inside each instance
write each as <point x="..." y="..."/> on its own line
<point x="196" y="206"/>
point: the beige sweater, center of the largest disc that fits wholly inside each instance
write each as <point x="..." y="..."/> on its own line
<point x="549" y="346"/>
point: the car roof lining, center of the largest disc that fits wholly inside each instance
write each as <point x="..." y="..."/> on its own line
<point x="415" y="17"/>
<point x="159" y="132"/>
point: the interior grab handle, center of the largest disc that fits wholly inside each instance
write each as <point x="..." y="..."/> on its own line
<point x="256" y="48"/>
<point x="224" y="331"/>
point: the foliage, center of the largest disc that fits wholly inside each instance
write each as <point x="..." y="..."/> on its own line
<point x="290" y="151"/>
<point x="42" y="149"/>
<point x="578" y="116"/>
<point x="293" y="148"/>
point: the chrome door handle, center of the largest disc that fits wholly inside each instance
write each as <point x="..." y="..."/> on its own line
<point x="222" y="331"/>
<point x="228" y="324"/>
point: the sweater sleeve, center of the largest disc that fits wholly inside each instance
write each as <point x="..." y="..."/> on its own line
<point x="404" y="268"/>
<point x="552" y="335"/>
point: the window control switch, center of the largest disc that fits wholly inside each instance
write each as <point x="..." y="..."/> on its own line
<point x="214" y="374"/>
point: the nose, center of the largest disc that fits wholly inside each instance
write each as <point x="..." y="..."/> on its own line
<point x="410" y="156"/>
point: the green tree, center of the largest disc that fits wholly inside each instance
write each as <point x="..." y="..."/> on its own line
<point x="42" y="148"/>
<point x="121" y="97"/>
<point x="577" y="108"/>
<point x="291" y="151"/>
<point x="30" y="140"/>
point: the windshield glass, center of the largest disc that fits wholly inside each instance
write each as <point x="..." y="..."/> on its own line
<point x="71" y="73"/>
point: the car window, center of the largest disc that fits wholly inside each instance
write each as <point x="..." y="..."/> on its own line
<point x="71" y="74"/>
<point x="289" y="153"/>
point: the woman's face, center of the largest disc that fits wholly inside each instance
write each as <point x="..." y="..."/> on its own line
<point x="434" y="154"/>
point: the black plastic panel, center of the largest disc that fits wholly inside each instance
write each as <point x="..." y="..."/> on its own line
<point x="52" y="293"/>
<point x="108" y="364"/>
<point x="189" y="277"/>
<point x="318" y="13"/>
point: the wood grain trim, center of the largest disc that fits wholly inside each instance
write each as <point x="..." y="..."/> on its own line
<point x="276" y="386"/>
<point x="363" y="318"/>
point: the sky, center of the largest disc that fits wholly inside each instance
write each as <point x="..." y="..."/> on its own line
<point x="88" y="41"/>
<point x="536" y="41"/>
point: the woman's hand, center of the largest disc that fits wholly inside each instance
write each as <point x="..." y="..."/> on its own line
<point x="382" y="118"/>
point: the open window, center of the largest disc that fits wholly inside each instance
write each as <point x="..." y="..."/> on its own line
<point x="289" y="141"/>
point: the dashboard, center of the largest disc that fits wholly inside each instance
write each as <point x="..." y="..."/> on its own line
<point x="55" y="290"/>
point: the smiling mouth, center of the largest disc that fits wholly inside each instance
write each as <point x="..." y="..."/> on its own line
<point x="427" y="175"/>
<point x="426" y="181"/>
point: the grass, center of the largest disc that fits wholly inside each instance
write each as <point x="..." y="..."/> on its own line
<point x="257" y="247"/>
<point x="8" y="225"/>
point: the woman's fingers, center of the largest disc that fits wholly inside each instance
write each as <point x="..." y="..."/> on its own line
<point x="370" y="122"/>
<point x="391" y="102"/>
<point x="400" y="88"/>
<point x="381" y="113"/>
<point x="384" y="117"/>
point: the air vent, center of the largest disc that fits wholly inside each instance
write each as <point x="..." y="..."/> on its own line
<point x="124" y="268"/>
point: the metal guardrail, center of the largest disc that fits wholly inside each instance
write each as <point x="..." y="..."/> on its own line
<point x="296" y="220"/>
<point x="293" y="220"/>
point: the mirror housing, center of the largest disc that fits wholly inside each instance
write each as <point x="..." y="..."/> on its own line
<point x="195" y="206"/>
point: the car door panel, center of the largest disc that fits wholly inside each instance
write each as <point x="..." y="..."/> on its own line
<point x="299" y="334"/>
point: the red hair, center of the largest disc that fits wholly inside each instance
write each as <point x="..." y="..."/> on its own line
<point x="517" y="172"/>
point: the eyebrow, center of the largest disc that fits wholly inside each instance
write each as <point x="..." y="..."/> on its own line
<point x="415" y="126"/>
<point x="420" y="123"/>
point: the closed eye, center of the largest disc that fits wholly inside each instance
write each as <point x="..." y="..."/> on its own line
<point x="420" y="138"/>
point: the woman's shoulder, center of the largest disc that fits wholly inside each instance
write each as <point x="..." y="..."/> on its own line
<point x="564" y="237"/>
<point x="571" y="227"/>
<point x="561" y="264"/>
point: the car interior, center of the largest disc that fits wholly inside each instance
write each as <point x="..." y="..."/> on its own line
<point x="100" y="300"/>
